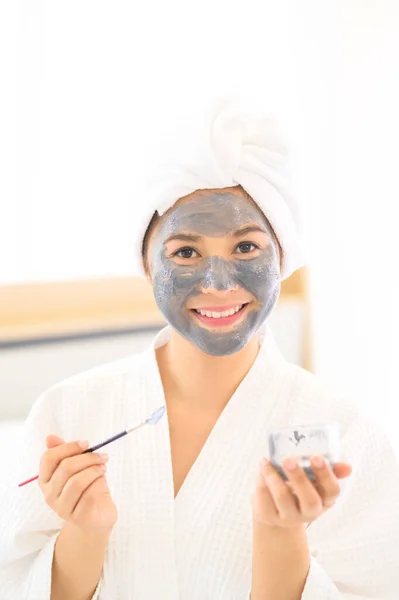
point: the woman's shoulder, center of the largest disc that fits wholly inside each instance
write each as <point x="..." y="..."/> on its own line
<point x="317" y="399"/>
<point x="90" y="396"/>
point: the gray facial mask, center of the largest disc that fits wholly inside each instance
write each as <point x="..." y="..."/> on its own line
<point x="214" y="214"/>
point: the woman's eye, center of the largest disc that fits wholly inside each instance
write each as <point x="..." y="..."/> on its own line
<point x="185" y="253"/>
<point x="246" y="247"/>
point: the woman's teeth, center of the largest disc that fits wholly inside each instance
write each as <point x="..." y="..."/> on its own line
<point x="218" y="315"/>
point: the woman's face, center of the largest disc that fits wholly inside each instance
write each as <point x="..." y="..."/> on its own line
<point x="214" y="252"/>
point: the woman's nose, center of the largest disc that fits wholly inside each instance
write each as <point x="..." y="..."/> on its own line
<point x="218" y="276"/>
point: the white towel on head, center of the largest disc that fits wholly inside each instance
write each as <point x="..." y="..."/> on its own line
<point x="224" y="147"/>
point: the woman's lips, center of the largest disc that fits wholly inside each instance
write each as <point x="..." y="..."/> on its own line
<point x="221" y="321"/>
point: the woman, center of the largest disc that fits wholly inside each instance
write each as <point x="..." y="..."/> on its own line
<point x="189" y="509"/>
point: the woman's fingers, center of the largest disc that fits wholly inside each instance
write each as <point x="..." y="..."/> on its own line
<point x="66" y="472"/>
<point x="69" y="467"/>
<point x="299" y="499"/>
<point x="285" y="502"/>
<point x="74" y="489"/>
<point x="53" y="456"/>
<point x="327" y="483"/>
<point x="342" y="470"/>
<point x="263" y="506"/>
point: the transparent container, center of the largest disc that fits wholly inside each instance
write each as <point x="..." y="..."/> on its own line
<point x="302" y="442"/>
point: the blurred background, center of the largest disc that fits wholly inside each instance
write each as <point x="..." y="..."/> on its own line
<point x="88" y="88"/>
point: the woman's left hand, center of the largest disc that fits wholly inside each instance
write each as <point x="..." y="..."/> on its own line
<point x="277" y="503"/>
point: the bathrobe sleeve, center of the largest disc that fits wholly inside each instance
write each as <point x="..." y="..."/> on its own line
<point x="28" y="527"/>
<point x="355" y="545"/>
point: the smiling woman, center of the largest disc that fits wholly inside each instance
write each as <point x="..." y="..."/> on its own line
<point x="187" y="510"/>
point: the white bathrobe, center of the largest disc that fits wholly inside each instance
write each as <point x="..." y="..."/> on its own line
<point x="198" y="546"/>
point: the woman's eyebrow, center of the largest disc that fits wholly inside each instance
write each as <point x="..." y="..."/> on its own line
<point x="191" y="237"/>
<point x="183" y="237"/>
<point x="248" y="229"/>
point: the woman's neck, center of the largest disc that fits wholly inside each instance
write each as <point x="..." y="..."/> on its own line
<point x="198" y="380"/>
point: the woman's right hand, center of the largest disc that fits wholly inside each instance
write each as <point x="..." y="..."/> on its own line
<point x="74" y="486"/>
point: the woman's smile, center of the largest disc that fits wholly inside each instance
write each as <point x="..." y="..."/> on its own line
<point x="220" y="316"/>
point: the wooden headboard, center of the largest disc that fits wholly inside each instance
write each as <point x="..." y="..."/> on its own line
<point x="50" y="310"/>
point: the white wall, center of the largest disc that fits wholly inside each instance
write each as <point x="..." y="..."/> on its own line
<point x="353" y="214"/>
<point x="95" y="81"/>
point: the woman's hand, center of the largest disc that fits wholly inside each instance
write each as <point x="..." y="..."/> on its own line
<point x="277" y="503"/>
<point x="74" y="486"/>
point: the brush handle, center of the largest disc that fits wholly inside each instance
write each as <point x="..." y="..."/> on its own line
<point x="28" y="481"/>
<point x="105" y="442"/>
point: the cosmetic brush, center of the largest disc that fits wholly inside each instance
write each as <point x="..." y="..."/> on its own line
<point x="152" y="420"/>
